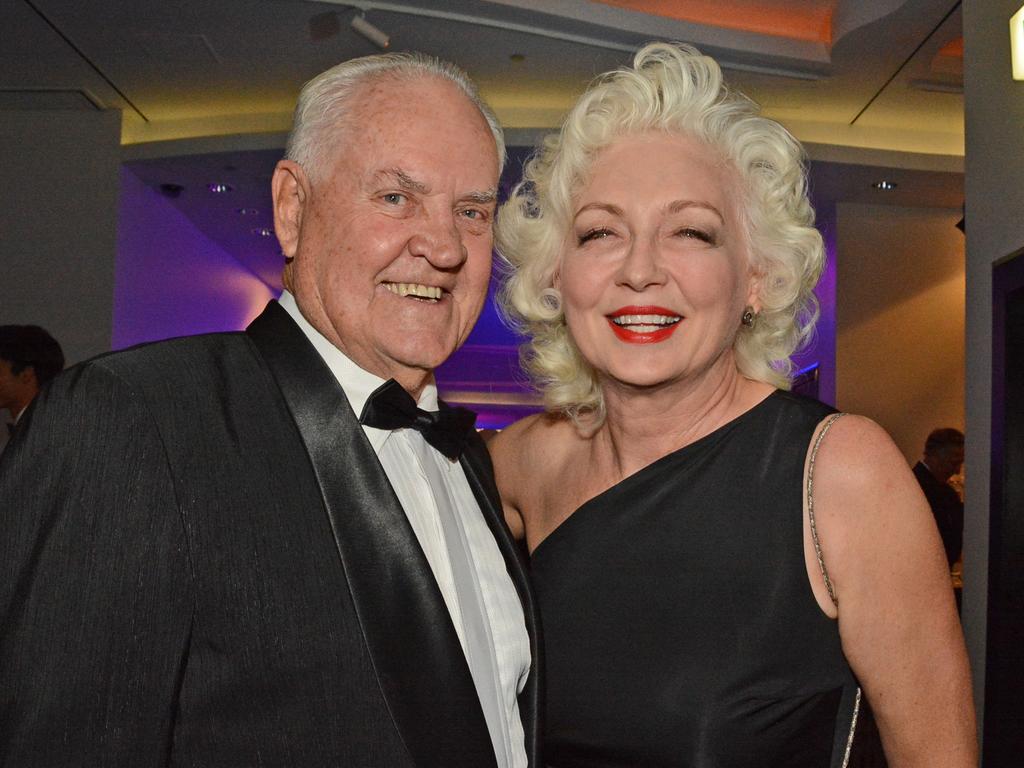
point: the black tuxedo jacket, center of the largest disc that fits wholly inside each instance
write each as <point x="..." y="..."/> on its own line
<point x="202" y="563"/>
<point x="947" y="509"/>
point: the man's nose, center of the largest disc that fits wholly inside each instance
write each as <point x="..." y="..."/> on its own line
<point x="439" y="241"/>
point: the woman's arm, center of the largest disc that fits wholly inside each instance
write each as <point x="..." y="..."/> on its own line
<point x="897" y="618"/>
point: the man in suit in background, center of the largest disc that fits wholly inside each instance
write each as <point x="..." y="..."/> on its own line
<point x="943" y="458"/>
<point x="29" y="357"/>
<point x="220" y="564"/>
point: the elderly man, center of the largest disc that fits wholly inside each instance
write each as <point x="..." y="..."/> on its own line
<point x="223" y="565"/>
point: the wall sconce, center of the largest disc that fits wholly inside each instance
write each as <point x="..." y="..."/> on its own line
<point x="1017" y="43"/>
<point x="372" y="33"/>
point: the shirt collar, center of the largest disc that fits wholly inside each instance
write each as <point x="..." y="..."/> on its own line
<point x="356" y="383"/>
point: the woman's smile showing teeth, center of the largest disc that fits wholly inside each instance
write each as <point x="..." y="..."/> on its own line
<point x="643" y="325"/>
<point x="416" y="290"/>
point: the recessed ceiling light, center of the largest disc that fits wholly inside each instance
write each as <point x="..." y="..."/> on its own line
<point x="171" y="190"/>
<point x="263" y="231"/>
<point x="248" y="211"/>
<point x="885" y="186"/>
<point x="218" y="188"/>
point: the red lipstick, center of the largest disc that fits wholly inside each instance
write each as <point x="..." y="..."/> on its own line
<point x="630" y="336"/>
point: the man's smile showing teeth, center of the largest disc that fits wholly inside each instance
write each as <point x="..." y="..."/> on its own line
<point x="643" y="325"/>
<point x="416" y="290"/>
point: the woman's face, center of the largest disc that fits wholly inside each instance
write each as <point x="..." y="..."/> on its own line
<point x="654" y="272"/>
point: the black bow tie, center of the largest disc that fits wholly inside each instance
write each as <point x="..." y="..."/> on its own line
<point x="391" y="407"/>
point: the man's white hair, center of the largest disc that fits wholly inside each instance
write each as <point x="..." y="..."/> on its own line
<point x="322" y="112"/>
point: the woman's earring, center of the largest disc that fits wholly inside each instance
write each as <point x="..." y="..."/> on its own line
<point x="551" y="299"/>
<point x="749" y="316"/>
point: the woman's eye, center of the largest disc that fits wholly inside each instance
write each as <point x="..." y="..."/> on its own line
<point x="696" y="234"/>
<point x="594" y="234"/>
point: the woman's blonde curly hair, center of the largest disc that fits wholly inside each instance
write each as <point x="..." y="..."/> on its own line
<point x="675" y="89"/>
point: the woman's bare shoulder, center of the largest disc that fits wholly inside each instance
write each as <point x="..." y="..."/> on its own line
<point x="526" y="456"/>
<point x="533" y="428"/>
<point x="858" y="455"/>
<point x="529" y="445"/>
<point x="876" y="531"/>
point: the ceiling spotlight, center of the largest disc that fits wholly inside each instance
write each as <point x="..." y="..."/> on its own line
<point x="218" y="188"/>
<point x="171" y="190"/>
<point x="263" y="231"/>
<point x="247" y="211"/>
<point x="885" y="186"/>
<point x="374" y="34"/>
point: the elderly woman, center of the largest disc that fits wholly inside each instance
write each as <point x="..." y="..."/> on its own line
<point x="721" y="565"/>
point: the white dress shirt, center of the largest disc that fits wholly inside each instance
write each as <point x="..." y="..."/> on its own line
<point x="400" y="453"/>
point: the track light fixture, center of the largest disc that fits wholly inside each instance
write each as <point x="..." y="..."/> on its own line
<point x="372" y="33"/>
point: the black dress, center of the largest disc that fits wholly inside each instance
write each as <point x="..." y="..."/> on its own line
<point x="680" y="627"/>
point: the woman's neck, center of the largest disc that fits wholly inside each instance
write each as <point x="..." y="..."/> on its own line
<point x="644" y="424"/>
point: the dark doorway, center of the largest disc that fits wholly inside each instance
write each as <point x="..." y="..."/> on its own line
<point x="1004" y="664"/>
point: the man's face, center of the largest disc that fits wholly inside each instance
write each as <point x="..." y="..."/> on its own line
<point x="946" y="462"/>
<point x="15" y="388"/>
<point x="954" y="460"/>
<point x="392" y="242"/>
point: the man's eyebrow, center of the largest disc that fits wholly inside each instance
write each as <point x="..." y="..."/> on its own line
<point x="404" y="180"/>
<point x="408" y="183"/>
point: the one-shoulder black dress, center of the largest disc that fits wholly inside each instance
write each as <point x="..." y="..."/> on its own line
<point x="679" y="624"/>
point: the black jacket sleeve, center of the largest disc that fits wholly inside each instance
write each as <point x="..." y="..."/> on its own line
<point x="95" y="581"/>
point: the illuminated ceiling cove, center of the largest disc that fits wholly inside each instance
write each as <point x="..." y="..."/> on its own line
<point x="868" y="74"/>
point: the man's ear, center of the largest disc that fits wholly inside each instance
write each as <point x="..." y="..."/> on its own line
<point x="290" y="189"/>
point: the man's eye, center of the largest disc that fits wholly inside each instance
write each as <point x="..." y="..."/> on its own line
<point x="475" y="214"/>
<point x="394" y="198"/>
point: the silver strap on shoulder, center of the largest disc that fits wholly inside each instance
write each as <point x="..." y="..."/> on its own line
<point x="853" y="729"/>
<point x="810" y="505"/>
<point x="821" y="563"/>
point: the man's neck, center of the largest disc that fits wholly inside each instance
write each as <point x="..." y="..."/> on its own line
<point x="17" y="409"/>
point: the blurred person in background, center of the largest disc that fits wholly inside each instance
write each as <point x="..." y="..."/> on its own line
<point x="29" y="357"/>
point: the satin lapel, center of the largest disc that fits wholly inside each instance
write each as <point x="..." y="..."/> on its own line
<point x="476" y="463"/>
<point x="416" y="653"/>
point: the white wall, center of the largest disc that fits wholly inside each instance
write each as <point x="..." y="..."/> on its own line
<point x="900" y="319"/>
<point x="58" y="224"/>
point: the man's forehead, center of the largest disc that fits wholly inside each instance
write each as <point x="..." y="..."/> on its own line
<point x="388" y="96"/>
<point x="400" y="130"/>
